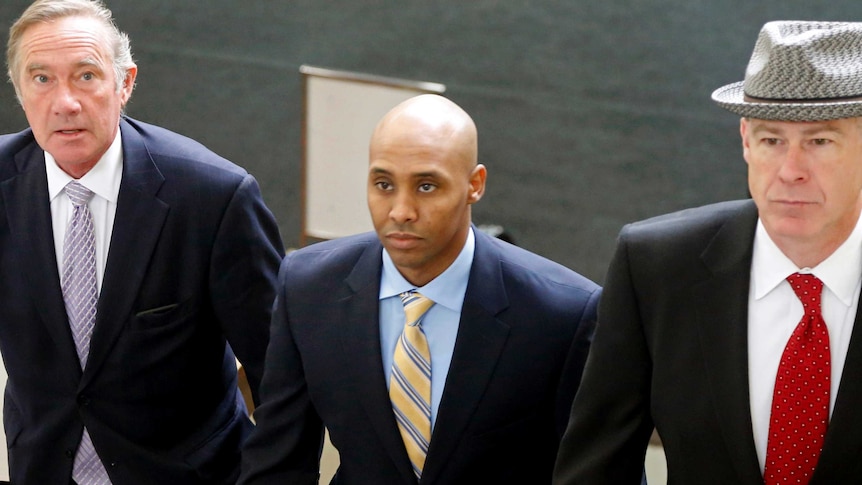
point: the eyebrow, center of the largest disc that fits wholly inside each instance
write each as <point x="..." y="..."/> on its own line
<point x="35" y="67"/>
<point x="89" y="61"/>
<point x="818" y="128"/>
<point x="428" y="174"/>
<point x="821" y="129"/>
<point x="85" y="62"/>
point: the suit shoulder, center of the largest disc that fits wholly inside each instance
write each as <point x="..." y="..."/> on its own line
<point x="173" y="151"/>
<point x="676" y="243"/>
<point x="328" y="259"/>
<point x="11" y="145"/>
<point x="525" y="265"/>
<point x="696" y="222"/>
<point x="511" y="283"/>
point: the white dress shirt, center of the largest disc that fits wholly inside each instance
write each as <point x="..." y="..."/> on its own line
<point x="104" y="180"/>
<point x="774" y="311"/>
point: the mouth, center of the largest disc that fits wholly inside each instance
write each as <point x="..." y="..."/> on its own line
<point x="792" y="202"/>
<point x="793" y="205"/>
<point x="402" y="240"/>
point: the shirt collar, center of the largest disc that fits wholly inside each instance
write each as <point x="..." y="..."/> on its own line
<point x="840" y="272"/>
<point x="103" y="179"/>
<point x="447" y="289"/>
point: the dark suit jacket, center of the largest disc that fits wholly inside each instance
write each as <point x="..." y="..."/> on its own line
<point x="525" y="330"/>
<point x="671" y="351"/>
<point x="193" y="259"/>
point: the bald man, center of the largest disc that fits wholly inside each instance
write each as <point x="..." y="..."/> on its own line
<point x="500" y="347"/>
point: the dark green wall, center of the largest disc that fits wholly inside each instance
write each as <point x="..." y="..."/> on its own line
<point x="590" y="114"/>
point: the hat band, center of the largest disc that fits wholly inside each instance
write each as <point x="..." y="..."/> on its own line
<point x="752" y="99"/>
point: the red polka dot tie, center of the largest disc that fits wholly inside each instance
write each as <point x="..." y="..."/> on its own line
<point x="800" y="401"/>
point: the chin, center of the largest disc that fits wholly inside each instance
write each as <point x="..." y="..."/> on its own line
<point x="400" y="257"/>
<point x="794" y="229"/>
<point x="404" y="259"/>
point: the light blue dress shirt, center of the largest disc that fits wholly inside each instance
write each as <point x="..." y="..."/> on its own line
<point x="440" y="323"/>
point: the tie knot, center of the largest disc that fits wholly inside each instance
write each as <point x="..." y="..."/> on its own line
<point x="807" y="288"/>
<point x="415" y="306"/>
<point x="78" y="194"/>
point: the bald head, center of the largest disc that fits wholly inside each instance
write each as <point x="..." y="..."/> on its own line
<point x="429" y="122"/>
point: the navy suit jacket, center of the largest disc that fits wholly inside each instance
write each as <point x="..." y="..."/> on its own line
<point x="525" y="330"/>
<point x="192" y="264"/>
<point x="671" y="351"/>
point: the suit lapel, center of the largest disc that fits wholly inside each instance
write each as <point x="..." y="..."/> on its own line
<point x="479" y="344"/>
<point x="722" y="303"/>
<point x="137" y="225"/>
<point x="360" y="334"/>
<point x="28" y="211"/>
<point x="843" y="442"/>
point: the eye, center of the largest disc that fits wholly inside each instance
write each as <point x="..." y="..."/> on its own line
<point x="40" y="78"/>
<point x="427" y="187"/>
<point x="88" y="76"/>
<point x="383" y="185"/>
<point x="771" y="141"/>
<point x="821" y="141"/>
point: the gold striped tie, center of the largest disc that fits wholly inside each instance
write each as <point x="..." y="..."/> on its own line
<point x="410" y="383"/>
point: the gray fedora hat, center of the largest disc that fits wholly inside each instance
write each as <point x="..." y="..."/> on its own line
<point x="800" y="71"/>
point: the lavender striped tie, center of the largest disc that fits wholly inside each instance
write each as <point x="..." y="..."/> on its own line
<point x="80" y="294"/>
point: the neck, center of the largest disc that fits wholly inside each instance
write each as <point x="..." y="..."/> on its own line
<point x="808" y="257"/>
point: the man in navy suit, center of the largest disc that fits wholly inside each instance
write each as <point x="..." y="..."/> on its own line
<point x="508" y="331"/>
<point x="185" y="262"/>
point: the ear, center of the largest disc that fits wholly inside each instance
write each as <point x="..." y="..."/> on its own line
<point x="743" y="132"/>
<point x="477" y="183"/>
<point x="129" y="83"/>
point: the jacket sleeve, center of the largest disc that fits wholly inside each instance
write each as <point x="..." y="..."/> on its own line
<point x="246" y="257"/>
<point x="286" y="444"/>
<point x="576" y="359"/>
<point x="610" y="423"/>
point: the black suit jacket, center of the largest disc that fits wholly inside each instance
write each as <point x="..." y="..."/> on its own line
<point x="525" y="330"/>
<point x="193" y="260"/>
<point x="671" y="351"/>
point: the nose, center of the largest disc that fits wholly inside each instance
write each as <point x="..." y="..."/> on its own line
<point x="403" y="209"/>
<point x="65" y="101"/>
<point x="794" y="167"/>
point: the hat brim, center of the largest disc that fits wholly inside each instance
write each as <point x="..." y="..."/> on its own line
<point x="731" y="98"/>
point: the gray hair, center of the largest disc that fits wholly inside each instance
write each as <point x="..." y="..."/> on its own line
<point x="40" y="11"/>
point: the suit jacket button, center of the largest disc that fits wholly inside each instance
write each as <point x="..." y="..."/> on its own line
<point x="83" y="400"/>
<point x="70" y="453"/>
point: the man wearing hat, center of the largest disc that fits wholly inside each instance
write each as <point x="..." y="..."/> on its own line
<point x="730" y="328"/>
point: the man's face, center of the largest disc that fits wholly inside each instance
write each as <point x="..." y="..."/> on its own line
<point x="419" y="195"/>
<point x="805" y="178"/>
<point x="68" y="91"/>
